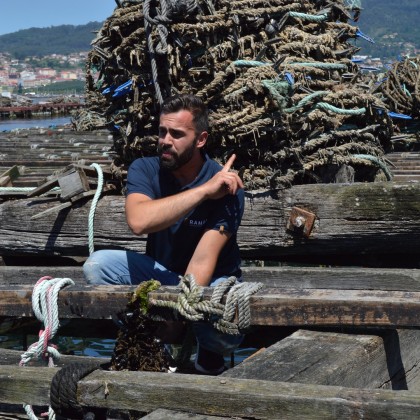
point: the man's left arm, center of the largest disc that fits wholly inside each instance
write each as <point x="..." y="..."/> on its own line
<point x="206" y="254"/>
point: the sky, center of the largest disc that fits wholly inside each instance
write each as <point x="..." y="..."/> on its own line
<point x="24" y="14"/>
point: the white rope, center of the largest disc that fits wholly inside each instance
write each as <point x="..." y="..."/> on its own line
<point x="45" y="307"/>
<point x="93" y="206"/>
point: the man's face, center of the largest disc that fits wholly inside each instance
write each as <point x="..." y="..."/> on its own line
<point x="177" y="139"/>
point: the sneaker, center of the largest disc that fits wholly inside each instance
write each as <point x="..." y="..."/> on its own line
<point x="208" y="362"/>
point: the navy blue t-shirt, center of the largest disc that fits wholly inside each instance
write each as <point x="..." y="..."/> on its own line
<point x="173" y="247"/>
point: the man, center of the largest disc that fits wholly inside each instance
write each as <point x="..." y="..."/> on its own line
<point x="191" y="208"/>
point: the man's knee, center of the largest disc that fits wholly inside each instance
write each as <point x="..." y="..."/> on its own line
<point x="93" y="268"/>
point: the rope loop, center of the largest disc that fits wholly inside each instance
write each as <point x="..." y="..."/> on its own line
<point x="223" y="317"/>
<point x="45" y="307"/>
<point x="63" y="389"/>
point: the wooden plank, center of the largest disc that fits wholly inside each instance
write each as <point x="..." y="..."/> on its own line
<point x="162" y="414"/>
<point x="357" y="278"/>
<point x="5" y="181"/>
<point x="218" y="396"/>
<point x="19" y="275"/>
<point x="43" y="188"/>
<point x="12" y="173"/>
<point x="354" y="222"/>
<point x="269" y="307"/>
<point x="13" y="357"/>
<point x="387" y="359"/>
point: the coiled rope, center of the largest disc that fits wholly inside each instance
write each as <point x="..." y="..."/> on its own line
<point x="45" y="307"/>
<point x="191" y="306"/>
<point x="93" y="206"/>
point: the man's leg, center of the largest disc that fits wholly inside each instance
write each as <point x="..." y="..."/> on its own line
<point x="213" y="344"/>
<point x="115" y="267"/>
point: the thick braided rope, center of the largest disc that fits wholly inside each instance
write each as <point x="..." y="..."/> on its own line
<point x="190" y="305"/>
<point x="148" y="22"/>
<point x="44" y="304"/>
<point x="93" y="206"/>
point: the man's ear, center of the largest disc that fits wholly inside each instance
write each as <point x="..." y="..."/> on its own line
<point x="202" y="139"/>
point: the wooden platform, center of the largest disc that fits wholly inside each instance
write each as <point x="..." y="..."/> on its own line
<point x="337" y="340"/>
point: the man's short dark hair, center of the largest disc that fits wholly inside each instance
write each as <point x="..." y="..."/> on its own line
<point x="191" y="103"/>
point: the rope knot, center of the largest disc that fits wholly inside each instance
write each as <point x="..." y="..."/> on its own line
<point x="231" y="318"/>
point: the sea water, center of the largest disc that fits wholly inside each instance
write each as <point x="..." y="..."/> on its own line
<point x="20" y="123"/>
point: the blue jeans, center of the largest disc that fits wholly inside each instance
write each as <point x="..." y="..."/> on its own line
<point x="114" y="267"/>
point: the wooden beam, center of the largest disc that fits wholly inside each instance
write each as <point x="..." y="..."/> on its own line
<point x="205" y="395"/>
<point x="269" y="307"/>
<point x="375" y="359"/>
<point x="352" y="278"/>
<point x="162" y="414"/>
<point x="356" y="222"/>
<point x="13" y="357"/>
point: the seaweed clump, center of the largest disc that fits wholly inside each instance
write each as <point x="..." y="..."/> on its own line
<point x="137" y="346"/>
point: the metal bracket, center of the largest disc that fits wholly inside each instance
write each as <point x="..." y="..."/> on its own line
<point x="301" y="221"/>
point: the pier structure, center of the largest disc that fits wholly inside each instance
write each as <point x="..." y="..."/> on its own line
<point x="39" y="110"/>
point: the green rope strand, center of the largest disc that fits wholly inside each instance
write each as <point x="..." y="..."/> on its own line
<point x="377" y="162"/>
<point x="309" y="18"/>
<point x="304" y="101"/>
<point x="319" y="65"/>
<point x="340" y="111"/>
<point x="250" y="63"/>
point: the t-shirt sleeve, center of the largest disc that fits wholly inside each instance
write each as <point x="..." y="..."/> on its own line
<point x="228" y="213"/>
<point x="139" y="178"/>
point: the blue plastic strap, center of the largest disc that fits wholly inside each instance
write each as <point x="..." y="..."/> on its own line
<point x="360" y="34"/>
<point x="289" y="78"/>
<point x="401" y="116"/>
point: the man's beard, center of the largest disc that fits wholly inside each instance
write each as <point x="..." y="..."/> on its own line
<point x="176" y="161"/>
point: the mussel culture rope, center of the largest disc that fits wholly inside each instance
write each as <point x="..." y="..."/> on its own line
<point x="276" y="76"/>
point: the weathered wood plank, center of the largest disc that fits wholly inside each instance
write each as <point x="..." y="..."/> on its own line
<point x="387" y="359"/>
<point x="212" y="395"/>
<point x="12" y="357"/>
<point x="269" y="307"/>
<point x="358" y="219"/>
<point x="282" y="277"/>
<point x="162" y="414"/>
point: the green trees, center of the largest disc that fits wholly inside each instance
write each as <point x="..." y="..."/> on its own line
<point x="39" y="42"/>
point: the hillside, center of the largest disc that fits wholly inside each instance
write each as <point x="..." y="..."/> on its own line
<point x="63" y="39"/>
<point x="389" y="23"/>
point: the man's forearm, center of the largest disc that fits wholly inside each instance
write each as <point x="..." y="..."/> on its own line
<point x="148" y="216"/>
